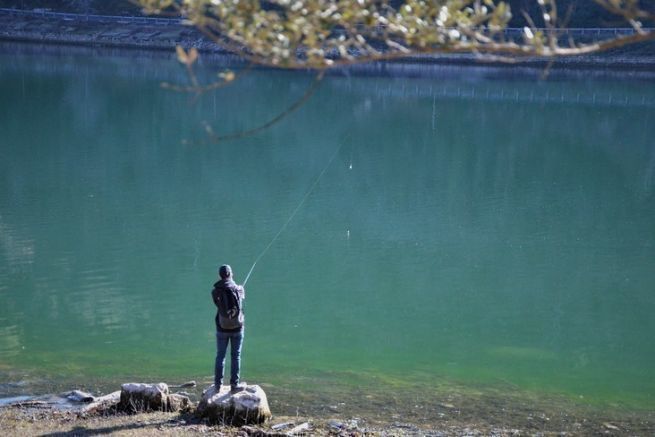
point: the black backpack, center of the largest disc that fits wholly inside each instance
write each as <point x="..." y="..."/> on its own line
<point x="230" y="315"/>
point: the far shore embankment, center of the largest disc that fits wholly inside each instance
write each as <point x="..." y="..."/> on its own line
<point x="164" y="34"/>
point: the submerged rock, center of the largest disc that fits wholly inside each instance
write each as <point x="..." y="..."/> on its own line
<point x="248" y="406"/>
<point x="188" y="384"/>
<point x="79" y="396"/>
<point x="137" y="397"/>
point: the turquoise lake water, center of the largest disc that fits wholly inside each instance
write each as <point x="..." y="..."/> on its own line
<point x="472" y="229"/>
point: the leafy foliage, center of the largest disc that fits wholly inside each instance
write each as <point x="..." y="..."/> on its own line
<point x="324" y="33"/>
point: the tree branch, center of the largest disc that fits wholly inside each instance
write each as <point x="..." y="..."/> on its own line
<point x="297" y="104"/>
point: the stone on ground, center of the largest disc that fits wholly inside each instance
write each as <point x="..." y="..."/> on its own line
<point x="245" y="407"/>
<point x="103" y="403"/>
<point x="137" y="397"/>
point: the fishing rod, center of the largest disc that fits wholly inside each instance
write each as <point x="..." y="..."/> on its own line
<point x="302" y="201"/>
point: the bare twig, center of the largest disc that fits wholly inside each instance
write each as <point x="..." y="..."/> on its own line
<point x="297" y="104"/>
<point x="209" y="87"/>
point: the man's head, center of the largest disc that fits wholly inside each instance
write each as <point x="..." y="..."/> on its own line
<point x="225" y="271"/>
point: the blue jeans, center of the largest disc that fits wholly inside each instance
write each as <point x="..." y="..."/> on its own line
<point x="222" y="339"/>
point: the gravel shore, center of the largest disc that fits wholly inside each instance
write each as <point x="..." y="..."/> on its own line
<point x="456" y="411"/>
<point x="28" y="421"/>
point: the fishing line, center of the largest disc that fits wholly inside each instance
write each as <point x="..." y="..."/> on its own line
<point x="302" y="201"/>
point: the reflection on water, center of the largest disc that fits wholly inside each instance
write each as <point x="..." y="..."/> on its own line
<point x="18" y="251"/>
<point x="480" y="230"/>
<point x="9" y="340"/>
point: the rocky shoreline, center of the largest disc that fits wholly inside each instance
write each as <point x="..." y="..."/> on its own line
<point x="30" y="420"/>
<point x="23" y="421"/>
<point x="184" y="410"/>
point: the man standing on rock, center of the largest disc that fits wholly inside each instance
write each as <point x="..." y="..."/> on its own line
<point x="228" y="298"/>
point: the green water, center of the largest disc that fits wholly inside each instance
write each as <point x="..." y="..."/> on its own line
<point x="482" y="231"/>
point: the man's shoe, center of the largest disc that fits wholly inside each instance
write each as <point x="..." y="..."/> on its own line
<point x="238" y="387"/>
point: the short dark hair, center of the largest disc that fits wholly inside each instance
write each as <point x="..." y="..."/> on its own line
<point x="225" y="271"/>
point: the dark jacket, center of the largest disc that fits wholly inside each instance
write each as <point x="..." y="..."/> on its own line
<point x="219" y="287"/>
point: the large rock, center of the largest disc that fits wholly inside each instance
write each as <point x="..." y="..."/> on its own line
<point x="137" y="397"/>
<point x="245" y="407"/>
